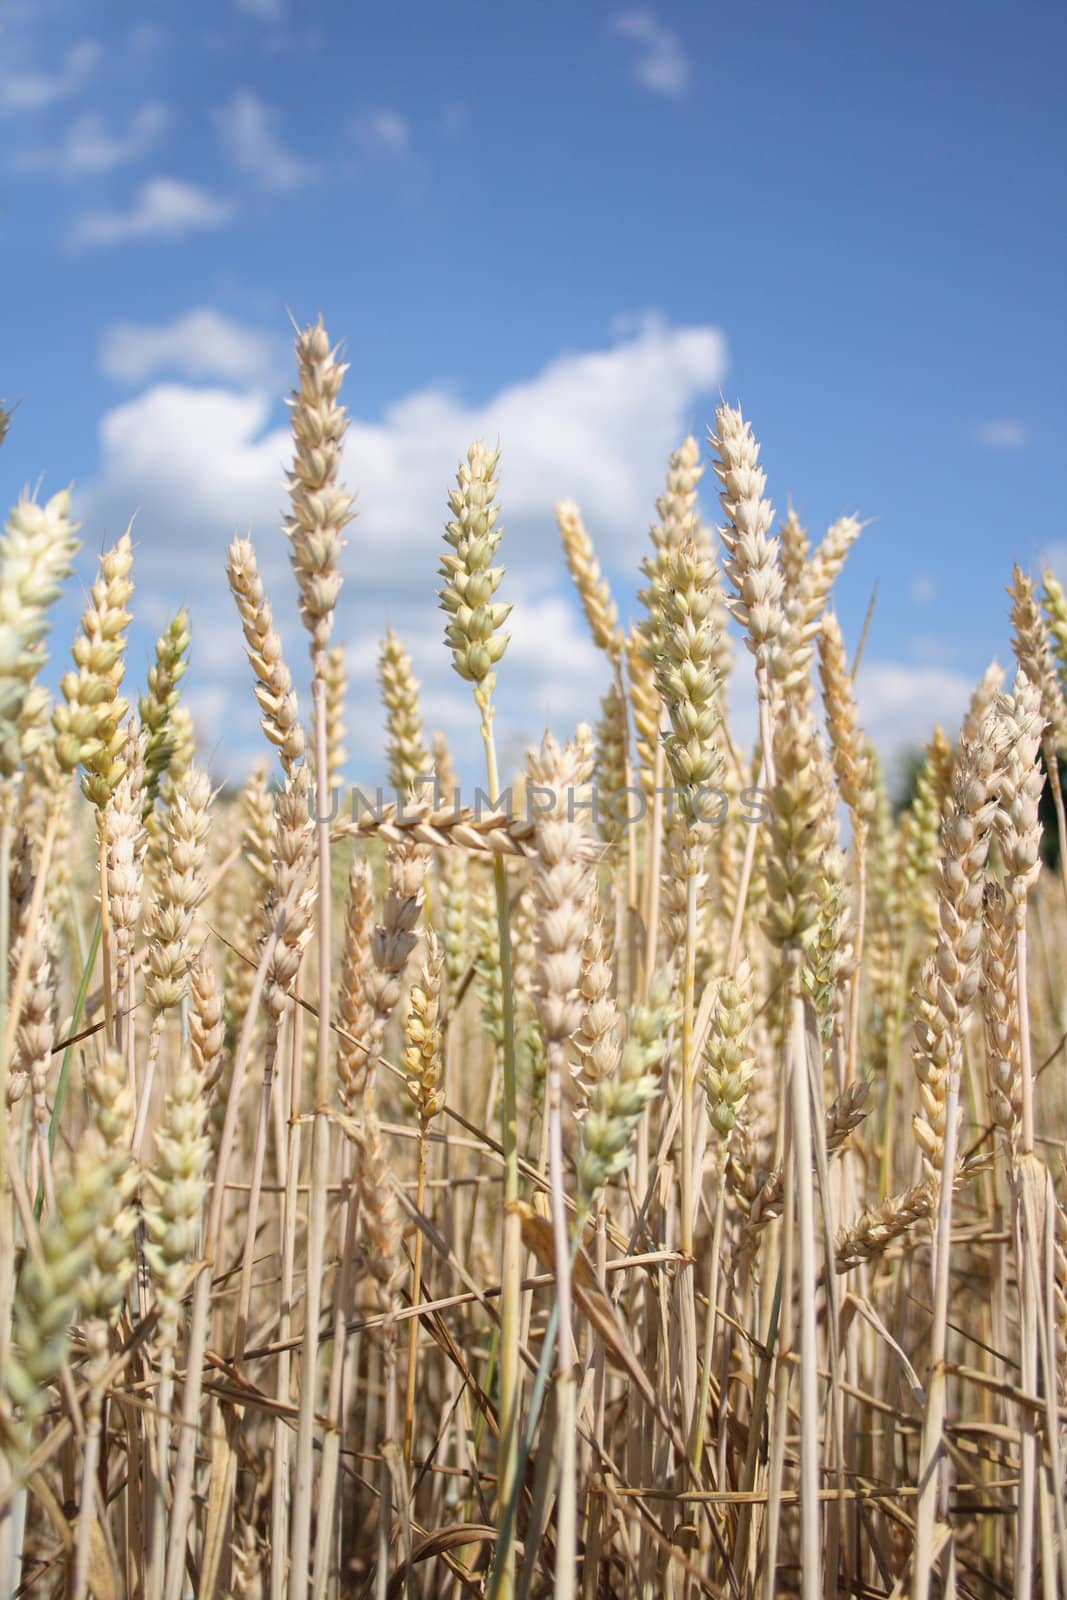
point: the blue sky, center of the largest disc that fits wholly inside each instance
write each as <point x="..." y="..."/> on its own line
<point x="569" y="226"/>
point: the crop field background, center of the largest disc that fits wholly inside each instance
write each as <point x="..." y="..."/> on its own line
<point x="532" y="1005"/>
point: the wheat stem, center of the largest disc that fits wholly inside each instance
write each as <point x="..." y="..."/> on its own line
<point x="300" y="1548"/>
<point x="800" y="1108"/>
<point x="201" y="1308"/>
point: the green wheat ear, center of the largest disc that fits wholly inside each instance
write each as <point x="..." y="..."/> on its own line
<point x="88" y="724"/>
<point x="473" y="631"/>
<point x="157" y="706"/>
<point x="37" y="550"/>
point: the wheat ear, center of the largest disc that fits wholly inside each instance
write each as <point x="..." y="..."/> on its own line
<point x="594" y="591"/>
<point x="409" y="760"/>
<point x="37" y="550"/>
<point x="157" y="706"/>
<point x="794" y="550"/>
<point x="808" y="582"/>
<point x="274" y="684"/>
<point x="852" y="767"/>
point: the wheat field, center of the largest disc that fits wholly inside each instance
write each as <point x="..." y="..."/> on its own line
<point x="641" y="1176"/>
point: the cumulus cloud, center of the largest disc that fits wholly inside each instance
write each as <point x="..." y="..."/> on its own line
<point x="933" y="648"/>
<point x="659" y="61"/>
<point x="1001" y="433"/>
<point x="899" y="703"/>
<point x="163" y="208"/>
<point x="202" y="344"/>
<point x="200" y="462"/>
<point x="24" y="90"/>
<point x="249" y="131"/>
<point x="90" y="146"/>
<point x="383" y="132"/>
<point x="1054" y="556"/>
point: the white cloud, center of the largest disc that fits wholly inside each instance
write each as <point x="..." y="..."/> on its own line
<point x="199" y="463"/>
<point x="27" y="90"/>
<point x="933" y="649"/>
<point x="163" y="208"/>
<point x="145" y="39"/>
<point x="90" y="147"/>
<point x="250" y="134"/>
<point x="1055" y="557"/>
<point x="660" y="63"/>
<point x="923" y="589"/>
<point x="202" y="344"/>
<point x="1001" y="433"/>
<point x="899" y="704"/>
<point x="596" y="426"/>
<point x="455" y="117"/>
<point x="383" y="132"/>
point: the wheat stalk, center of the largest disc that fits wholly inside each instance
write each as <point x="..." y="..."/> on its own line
<point x="949" y="982"/>
<point x="473" y="634"/>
